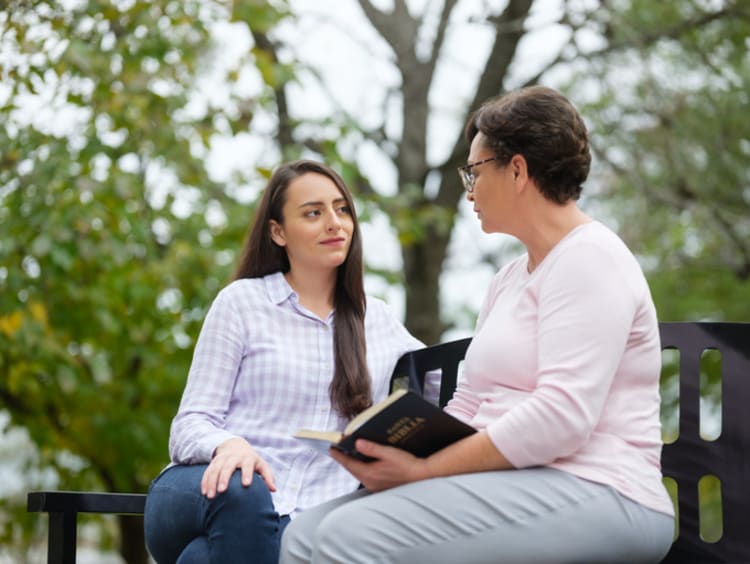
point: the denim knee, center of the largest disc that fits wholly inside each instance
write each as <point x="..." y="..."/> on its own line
<point x="173" y="514"/>
<point x="244" y="502"/>
<point x="236" y="522"/>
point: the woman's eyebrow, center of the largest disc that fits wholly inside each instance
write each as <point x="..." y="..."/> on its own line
<point x="319" y="203"/>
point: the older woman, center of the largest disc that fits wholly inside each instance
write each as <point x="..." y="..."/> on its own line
<point x="561" y="380"/>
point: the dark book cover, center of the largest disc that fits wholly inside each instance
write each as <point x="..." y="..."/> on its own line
<point x="405" y="420"/>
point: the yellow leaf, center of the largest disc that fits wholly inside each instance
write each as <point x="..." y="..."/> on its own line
<point x="38" y="312"/>
<point x="10" y="323"/>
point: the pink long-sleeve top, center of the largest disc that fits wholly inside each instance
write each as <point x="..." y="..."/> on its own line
<point x="563" y="370"/>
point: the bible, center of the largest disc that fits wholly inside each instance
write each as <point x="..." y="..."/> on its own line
<point x="404" y="420"/>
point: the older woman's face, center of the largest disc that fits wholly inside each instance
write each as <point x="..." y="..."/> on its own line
<point x="493" y="188"/>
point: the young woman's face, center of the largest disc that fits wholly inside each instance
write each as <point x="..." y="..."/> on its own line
<point x="317" y="225"/>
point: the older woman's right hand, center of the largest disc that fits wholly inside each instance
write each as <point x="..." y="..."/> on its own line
<point x="229" y="456"/>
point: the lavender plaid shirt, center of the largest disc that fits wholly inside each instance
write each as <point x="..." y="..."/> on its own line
<point x="261" y="370"/>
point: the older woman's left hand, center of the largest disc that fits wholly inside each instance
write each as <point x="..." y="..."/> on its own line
<point x="392" y="468"/>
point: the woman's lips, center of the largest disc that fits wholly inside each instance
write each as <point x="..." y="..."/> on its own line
<point x="334" y="241"/>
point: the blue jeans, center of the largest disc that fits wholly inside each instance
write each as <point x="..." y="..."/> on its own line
<point x="183" y="526"/>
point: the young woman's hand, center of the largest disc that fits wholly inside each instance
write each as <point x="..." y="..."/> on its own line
<point x="229" y="456"/>
<point x="392" y="468"/>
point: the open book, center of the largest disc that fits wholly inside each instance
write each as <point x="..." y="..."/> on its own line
<point x="404" y="419"/>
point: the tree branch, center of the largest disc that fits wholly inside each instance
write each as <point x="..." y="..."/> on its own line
<point x="743" y="269"/>
<point x="285" y="136"/>
<point x="509" y="31"/>
<point x="646" y="39"/>
<point x="383" y="23"/>
<point x="437" y="45"/>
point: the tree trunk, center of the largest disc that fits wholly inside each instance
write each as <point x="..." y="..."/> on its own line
<point x="423" y="262"/>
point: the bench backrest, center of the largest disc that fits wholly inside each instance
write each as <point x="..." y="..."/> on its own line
<point x="690" y="457"/>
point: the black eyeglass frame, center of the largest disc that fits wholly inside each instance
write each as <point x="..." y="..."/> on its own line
<point x="467" y="177"/>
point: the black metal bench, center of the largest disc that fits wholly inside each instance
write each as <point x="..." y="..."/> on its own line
<point x="63" y="509"/>
<point x="690" y="457"/>
<point x="686" y="460"/>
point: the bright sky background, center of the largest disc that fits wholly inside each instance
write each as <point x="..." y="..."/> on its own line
<point x="335" y="39"/>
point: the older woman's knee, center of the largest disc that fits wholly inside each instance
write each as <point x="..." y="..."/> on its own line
<point x="334" y="538"/>
<point x="297" y="540"/>
<point x="353" y="533"/>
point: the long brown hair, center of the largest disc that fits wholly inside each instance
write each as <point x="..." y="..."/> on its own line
<point x="350" y="390"/>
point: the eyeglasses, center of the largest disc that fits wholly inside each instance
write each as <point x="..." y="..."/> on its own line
<point x="467" y="176"/>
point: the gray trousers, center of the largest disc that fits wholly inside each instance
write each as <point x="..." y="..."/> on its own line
<point x="539" y="516"/>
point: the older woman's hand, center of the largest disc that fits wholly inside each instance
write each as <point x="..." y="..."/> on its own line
<point x="229" y="456"/>
<point x="392" y="468"/>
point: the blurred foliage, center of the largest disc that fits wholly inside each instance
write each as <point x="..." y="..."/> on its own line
<point x="668" y="124"/>
<point x="676" y="157"/>
<point x="113" y="237"/>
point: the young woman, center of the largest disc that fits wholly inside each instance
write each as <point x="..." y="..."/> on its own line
<point x="293" y="342"/>
<point x="561" y="380"/>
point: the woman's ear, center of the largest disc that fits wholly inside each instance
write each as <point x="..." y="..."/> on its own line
<point x="517" y="165"/>
<point x="519" y="169"/>
<point x="277" y="232"/>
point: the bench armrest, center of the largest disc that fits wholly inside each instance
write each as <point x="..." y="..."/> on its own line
<point x="85" y="502"/>
<point x="63" y="508"/>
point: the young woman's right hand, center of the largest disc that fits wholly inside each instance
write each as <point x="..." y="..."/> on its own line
<point x="229" y="456"/>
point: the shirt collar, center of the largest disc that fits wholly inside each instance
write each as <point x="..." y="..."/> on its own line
<point x="278" y="288"/>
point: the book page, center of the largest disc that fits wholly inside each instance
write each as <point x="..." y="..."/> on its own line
<point x="330" y="436"/>
<point x="358" y="420"/>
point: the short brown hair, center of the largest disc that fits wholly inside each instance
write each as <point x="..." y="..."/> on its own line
<point x="543" y="126"/>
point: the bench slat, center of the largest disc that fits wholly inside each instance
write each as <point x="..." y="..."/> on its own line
<point x="85" y="502"/>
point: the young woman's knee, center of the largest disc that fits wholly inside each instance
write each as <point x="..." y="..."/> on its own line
<point x="240" y="499"/>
